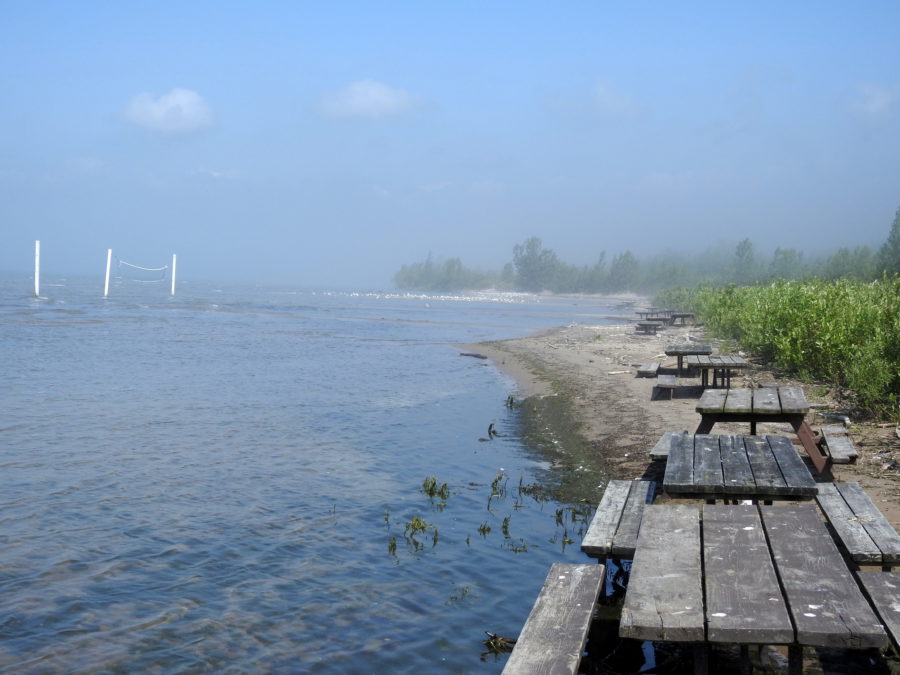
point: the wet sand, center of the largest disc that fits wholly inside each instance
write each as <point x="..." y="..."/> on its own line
<point x="591" y="371"/>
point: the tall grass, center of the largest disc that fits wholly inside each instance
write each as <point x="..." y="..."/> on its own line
<point x="845" y="332"/>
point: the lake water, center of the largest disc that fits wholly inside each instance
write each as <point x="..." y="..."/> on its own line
<point x="231" y="480"/>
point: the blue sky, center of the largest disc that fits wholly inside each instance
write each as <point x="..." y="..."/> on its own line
<point x="324" y="143"/>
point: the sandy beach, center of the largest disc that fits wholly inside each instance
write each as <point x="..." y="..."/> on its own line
<point x="592" y="370"/>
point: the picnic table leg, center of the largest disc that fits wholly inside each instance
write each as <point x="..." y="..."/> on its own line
<point x="701" y="658"/>
<point x="815" y="453"/>
<point x="795" y="659"/>
<point x="706" y="424"/>
<point x="680" y="361"/>
<point x="753" y="428"/>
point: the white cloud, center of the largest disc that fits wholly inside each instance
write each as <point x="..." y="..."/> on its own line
<point x="874" y="102"/>
<point x="367" y="98"/>
<point x="181" y="110"/>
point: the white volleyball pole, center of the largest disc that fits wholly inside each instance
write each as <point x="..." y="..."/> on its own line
<point x="173" y="274"/>
<point x="37" y="268"/>
<point x="108" y="263"/>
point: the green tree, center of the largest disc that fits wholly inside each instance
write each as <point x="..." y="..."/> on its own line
<point x="889" y="254"/>
<point x="536" y="267"/>
<point x="745" y="266"/>
<point x="623" y="272"/>
<point x="787" y="263"/>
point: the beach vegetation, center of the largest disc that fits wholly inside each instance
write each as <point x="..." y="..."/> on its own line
<point x="845" y="332"/>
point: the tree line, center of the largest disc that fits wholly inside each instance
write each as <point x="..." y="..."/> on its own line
<point x="534" y="268"/>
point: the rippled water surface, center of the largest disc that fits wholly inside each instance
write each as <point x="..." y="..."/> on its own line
<point x="231" y="480"/>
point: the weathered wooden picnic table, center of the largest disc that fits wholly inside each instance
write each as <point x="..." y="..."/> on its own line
<point x="736" y="467"/>
<point x="655" y="313"/>
<point x="681" y="351"/>
<point x="744" y="574"/>
<point x="766" y="405"/>
<point x="721" y="367"/>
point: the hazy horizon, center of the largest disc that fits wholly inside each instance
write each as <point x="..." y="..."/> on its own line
<point x="330" y="144"/>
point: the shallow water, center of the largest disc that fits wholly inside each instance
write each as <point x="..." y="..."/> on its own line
<point x="226" y="480"/>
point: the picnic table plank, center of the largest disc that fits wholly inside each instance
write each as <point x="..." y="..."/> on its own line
<point x="553" y="637"/>
<point x="884" y="590"/>
<point x="752" y="610"/>
<point x="664" y="600"/>
<point x="663" y="445"/>
<point x="737" y="476"/>
<point x="827" y="606"/>
<point x="680" y="465"/>
<point x="625" y="538"/>
<point x="765" y="468"/>
<point x="737" y="401"/>
<point x="840" y="447"/>
<point x="793" y="400"/>
<point x="874" y="522"/>
<point x="597" y="543"/>
<point x="766" y="401"/>
<point x="846" y="525"/>
<point x="707" y="464"/>
<point x="712" y="401"/>
<point x="794" y="471"/>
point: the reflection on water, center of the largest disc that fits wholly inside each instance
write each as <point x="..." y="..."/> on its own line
<point x="239" y="480"/>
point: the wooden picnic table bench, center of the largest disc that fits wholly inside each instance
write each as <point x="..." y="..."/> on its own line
<point x="860" y="527"/>
<point x="682" y="316"/>
<point x="721" y="367"/>
<point x="553" y="637"/>
<point x="730" y="467"/>
<point x="744" y="574"/>
<point x="766" y="405"/>
<point x="614" y="528"/>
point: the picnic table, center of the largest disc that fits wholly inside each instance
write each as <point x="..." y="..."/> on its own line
<point x="721" y="367"/>
<point x="766" y="405"/>
<point x="744" y="574"/>
<point x="736" y="467"/>
<point x="681" y="351"/>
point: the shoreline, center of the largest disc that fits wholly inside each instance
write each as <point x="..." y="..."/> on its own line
<point x="591" y="370"/>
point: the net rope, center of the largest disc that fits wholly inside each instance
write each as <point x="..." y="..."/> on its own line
<point x="158" y="273"/>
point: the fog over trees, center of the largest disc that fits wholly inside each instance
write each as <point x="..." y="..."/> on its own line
<point x="534" y="268"/>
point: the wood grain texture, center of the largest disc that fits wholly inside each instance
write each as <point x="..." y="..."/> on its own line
<point x="825" y="602"/>
<point x="766" y="401"/>
<point x="625" y="539"/>
<point x="793" y="400"/>
<point x="679" y="476"/>
<point x="883" y="589"/>
<point x="796" y="476"/>
<point x="744" y="604"/>
<point x="712" y="401"/>
<point x="873" y="520"/>
<point x="597" y="542"/>
<point x="553" y="638"/>
<point x="664" y="600"/>
<point x="738" y="401"/>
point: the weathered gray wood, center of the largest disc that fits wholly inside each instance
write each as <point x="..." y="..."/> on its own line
<point x="766" y="401"/>
<point x="679" y="476"/>
<point x="795" y="473"/>
<point x="553" y="638"/>
<point x="826" y="605"/>
<point x="712" y="401"/>
<point x="737" y="476"/>
<point x="873" y="520"/>
<point x="744" y="604"/>
<point x="793" y="400"/>
<point x="667" y="381"/>
<point x="664" y="600"/>
<point x="648" y="369"/>
<point x="739" y="401"/>
<point x="687" y="350"/>
<point x="840" y="447"/>
<point x="597" y="542"/>
<point x="766" y="473"/>
<point x="883" y="589"/>
<point x="849" y="530"/>
<point x="625" y="538"/>
<point x="661" y="449"/>
<point x="707" y="465"/>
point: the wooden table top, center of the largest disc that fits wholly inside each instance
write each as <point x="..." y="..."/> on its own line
<point x="688" y="350"/>
<point x="762" y="401"/>
<point x="726" y="466"/>
<point x="704" y="361"/>
<point x="711" y="574"/>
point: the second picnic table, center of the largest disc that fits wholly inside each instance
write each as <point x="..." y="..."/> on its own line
<point x="765" y="404"/>
<point x="681" y="351"/>
<point x="721" y="367"/>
